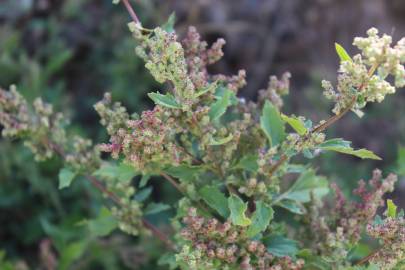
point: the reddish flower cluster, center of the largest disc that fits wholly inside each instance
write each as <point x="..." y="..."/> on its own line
<point x="229" y="244"/>
<point x="392" y="235"/>
<point x="143" y="141"/>
<point x="352" y="216"/>
<point x="198" y="57"/>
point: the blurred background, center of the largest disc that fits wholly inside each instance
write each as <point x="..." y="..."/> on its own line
<point x="71" y="52"/>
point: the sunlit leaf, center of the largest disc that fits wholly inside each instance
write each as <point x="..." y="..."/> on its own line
<point x="165" y="100"/>
<point x="221" y="141"/>
<point x="308" y="183"/>
<point x="238" y="209"/>
<point x="342" y="146"/>
<point x="343" y="55"/>
<point x="261" y="219"/>
<point x="66" y="177"/>
<point x="295" y="123"/>
<point x="391" y="209"/>
<point x="215" y="199"/>
<point x="169" y="25"/>
<point x="218" y="108"/>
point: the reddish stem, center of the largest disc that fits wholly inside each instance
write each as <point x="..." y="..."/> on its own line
<point x="131" y="11"/>
<point x="173" y="182"/>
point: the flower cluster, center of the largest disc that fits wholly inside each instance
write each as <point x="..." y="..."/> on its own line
<point x="392" y="235"/>
<point x="275" y="90"/>
<point x="343" y="224"/>
<point x="33" y="123"/>
<point x="219" y="245"/>
<point x="164" y="58"/>
<point x="228" y="157"/>
<point x="146" y="141"/>
<point x="357" y="83"/>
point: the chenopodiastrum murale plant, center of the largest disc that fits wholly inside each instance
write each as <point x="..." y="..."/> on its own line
<point x="228" y="158"/>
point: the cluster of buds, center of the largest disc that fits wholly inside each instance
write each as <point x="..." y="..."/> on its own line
<point x="14" y="114"/>
<point x="275" y="90"/>
<point x="165" y="60"/>
<point x="128" y="213"/>
<point x="198" y="57"/>
<point x="112" y="115"/>
<point x="377" y="51"/>
<point x="228" y="245"/>
<point x="145" y="141"/>
<point x="253" y="187"/>
<point x="392" y="236"/>
<point x="312" y="140"/>
<point x="357" y="81"/>
<point x="353" y="216"/>
<point x="38" y="124"/>
<point x="83" y="157"/>
<point x="43" y="131"/>
<point x="348" y="219"/>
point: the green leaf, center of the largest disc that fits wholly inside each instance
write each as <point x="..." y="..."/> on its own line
<point x="215" y="199"/>
<point x="313" y="262"/>
<point x="391" y="209"/>
<point x="295" y="123"/>
<point x="220" y="92"/>
<point x="66" y="177"/>
<point x="169" y="25"/>
<point x="238" y="209"/>
<point x="57" y="61"/>
<point x="280" y="246"/>
<point x="184" y="172"/>
<point x="306" y="184"/>
<point x="342" y="146"/>
<point x="343" y="55"/>
<point x="154" y="208"/>
<point x="296" y="168"/>
<point x="222" y="141"/>
<point x="168" y="260"/>
<point x="272" y="124"/>
<point x="292" y="206"/>
<point x="218" y="108"/>
<point x="261" y="219"/>
<point x="337" y="142"/>
<point x="115" y="2"/>
<point x="144" y="180"/>
<point x="71" y="253"/>
<point x="143" y="194"/>
<point x="209" y="88"/>
<point x="103" y="225"/>
<point x="165" y="100"/>
<point x="400" y="168"/>
<point x="248" y="162"/>
<point x="123" y="172"/>
<point x="5" y="264"/>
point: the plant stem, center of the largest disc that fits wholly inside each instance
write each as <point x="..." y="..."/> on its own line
<point x="173" y="182"/>
<point x="131" y="12"/>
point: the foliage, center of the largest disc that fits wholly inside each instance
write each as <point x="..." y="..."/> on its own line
<point x="227" y="158"/>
